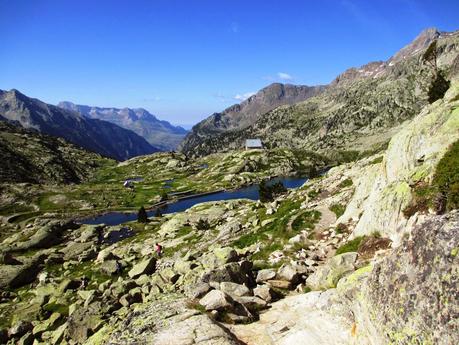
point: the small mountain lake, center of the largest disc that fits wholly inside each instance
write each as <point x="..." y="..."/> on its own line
<point x="249" y="192"/>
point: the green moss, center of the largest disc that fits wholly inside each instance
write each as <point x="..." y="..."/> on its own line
<point x="350" y="246"/>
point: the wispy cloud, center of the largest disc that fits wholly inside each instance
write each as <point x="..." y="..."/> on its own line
<point x="284" y="76"/>
<point x="234" y="27"/>
<point x="279" y="76"/>
<point x="244" y="96"/>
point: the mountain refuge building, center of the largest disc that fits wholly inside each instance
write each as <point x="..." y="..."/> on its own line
<point x="253" y="144"/>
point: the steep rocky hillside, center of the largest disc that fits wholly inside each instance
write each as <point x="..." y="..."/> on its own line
<point x="160" y="134"/>
<point x="98" y="136"/>
<point x="28" y="156"/>
<point x="242" y="115"/>
<point x="361" y="108"/>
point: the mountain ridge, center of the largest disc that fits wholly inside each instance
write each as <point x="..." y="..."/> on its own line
<point x="241" y="115"/>
<point x="359" y="109"/>
<point x="159" y="133"/>
<point x="95" y="135"/>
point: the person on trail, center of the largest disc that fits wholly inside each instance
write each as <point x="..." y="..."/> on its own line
<point x="158" y="249"/>
<point x="118" y="267"/>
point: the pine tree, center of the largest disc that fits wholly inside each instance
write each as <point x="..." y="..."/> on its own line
<point x="142" y="216"/>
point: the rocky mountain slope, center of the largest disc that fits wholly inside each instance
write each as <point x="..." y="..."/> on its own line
<point x="246" y="113"/>
<point x="160" y="134"/>
<point x="361" y="108"/>
<point x="28" y="156"/>
<point x="98" y="136"/>
<point x="365" y="254"/>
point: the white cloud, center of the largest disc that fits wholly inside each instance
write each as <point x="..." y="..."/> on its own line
<point x="284" y="76"/>
<point x="244" y="96"/>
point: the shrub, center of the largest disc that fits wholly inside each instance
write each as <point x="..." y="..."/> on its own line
<point x="142" y="216"/>
<point x="164" y="195"/>
<point x="438" y="88"/>
<point x="350" y="246"/>
<point x="269" y="193"/>
<point x="203" y="224"/>
<point x="446" y="178"/>
<point x="346" y="183"/>
<point x="341" y="228"/>
<point x="338" y="209"/>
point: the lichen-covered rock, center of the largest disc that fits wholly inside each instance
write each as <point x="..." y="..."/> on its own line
<point x="169" y="321"/>
<point x="414" y="292"/>
<point x="383" y="190"/>
<point x="13" y="276"/>
<point x="327" y="276"/>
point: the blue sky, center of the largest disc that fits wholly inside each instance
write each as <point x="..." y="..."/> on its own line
<point x="184" y="60"/>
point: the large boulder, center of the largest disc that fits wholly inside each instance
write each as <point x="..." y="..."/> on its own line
<point x="265" y="275"/>
<point x="232" y="272"/>
<point x="170" y="321"/>
<point x="14" y="276"/>
<point x="234" y="290"/>
<point x="215" y="300"/>
<point x="289" y="273"/>
<point x="85" y="321"/>
<point x="147" y="266"/>
<point x="327" y="276"/>
<point x="47" y="235"/>
<point x="79" y="250"/>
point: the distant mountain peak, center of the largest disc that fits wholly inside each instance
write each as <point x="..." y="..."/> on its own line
<point x="157" y="132"/>
<point x="99" y="136"/>
<point x="421" y="42"/>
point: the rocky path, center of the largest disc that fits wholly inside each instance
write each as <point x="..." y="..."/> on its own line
<point x="326" y="220"/>
<point x="285" y="323"/>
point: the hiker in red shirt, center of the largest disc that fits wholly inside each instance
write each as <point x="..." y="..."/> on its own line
<point x="158" y="249"/>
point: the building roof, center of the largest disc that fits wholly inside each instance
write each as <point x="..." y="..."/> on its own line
<point x="253" y="143"/>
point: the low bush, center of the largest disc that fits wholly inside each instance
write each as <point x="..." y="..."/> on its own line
<point x="338" y="209"/>
<point x="346" y="183"/>
<point x="350" y="246"/>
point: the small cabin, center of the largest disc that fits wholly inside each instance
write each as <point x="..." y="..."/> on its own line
<point x="253" y="144"/>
